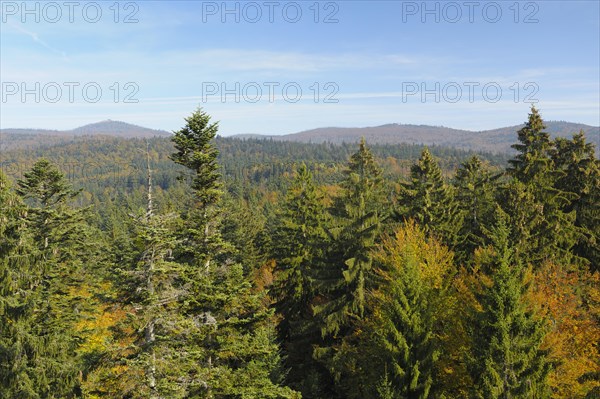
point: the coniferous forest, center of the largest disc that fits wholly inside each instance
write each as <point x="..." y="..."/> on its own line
<point x="227" y="268"/>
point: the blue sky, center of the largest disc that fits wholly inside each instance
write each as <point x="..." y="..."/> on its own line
<point x="278" y="67"/>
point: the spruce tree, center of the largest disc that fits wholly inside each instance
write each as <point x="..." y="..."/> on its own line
<point x="506" y="359"/>
<point x="299" y="246"/>
<point x="228" y="348"/>
<point x="579" y="173"/>
<point x="347" y="276"/>
<point x="359" y="212"/>
<point x="44" y="270"/>
<point x="428" y="200"/>
<point x="556" y="233"/>
<point x="475" y="197"/>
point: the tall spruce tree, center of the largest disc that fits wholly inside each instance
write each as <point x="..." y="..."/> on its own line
<point x="579" y="173"/>
<point x="359" y="212"/>
<point x="506" y="359"/>
<point x="299" y="245"/>
<point x="428" y="200"/>
<point x="475" y="197"/>
<point x="43" y="269"/>
<point x="229" y="343"/>
<point x="556" y="233"/>
<point x="20" y="347"/>
<point x="344" y="284"/>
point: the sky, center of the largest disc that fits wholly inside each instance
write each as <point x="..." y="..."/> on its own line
<point x="279" y="67"/>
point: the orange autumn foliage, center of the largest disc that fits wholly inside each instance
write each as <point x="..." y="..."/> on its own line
<point x="570" y="301"/>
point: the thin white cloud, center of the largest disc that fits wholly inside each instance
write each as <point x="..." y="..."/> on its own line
<point x="35" y="37"/>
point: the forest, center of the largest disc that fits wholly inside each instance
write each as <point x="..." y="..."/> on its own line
<point x="199" y="266"/>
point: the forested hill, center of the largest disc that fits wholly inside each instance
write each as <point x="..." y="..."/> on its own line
<point x="105" y="166"/>
<point x="494" y="140"/>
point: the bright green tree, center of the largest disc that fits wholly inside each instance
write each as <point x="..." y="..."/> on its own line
<point x="506" y="360"/>
<point x="395" y="351"/>
<point x="228" y="347"/>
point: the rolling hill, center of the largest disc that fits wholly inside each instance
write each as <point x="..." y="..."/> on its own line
<point x="495" y="140"/>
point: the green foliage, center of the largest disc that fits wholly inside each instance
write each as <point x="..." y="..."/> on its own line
<point x="552" y="228"/>
<point x="579" y="174"/>
<point x="428" y="200"/>
<point x="475" y="198"/>
<point x="298" y="249"/>
<point x="506" y="360"/>
<point x="273" y="270"/>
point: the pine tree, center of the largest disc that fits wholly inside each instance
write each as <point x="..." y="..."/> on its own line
<point x="429" y="201"/>
<point x="506" y="359"/>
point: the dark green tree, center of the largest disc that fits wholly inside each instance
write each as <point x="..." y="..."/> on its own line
<point x="475" y="197"/>
<point x="555" y="233"/>
<point x="579" y="173"/>
<point x="428" y="200"/>
<point x="43" y="269"/>
<point x="347" y="276"/>
<point x="298" y="248"/>
<point x="359" y="212"/>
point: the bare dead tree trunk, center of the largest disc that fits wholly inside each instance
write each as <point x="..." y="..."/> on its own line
<point x="150" y="334"/>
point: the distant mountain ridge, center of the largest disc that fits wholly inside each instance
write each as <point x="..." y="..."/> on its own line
<point x="494" y="140"/>
<point x="107" y="127"/>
